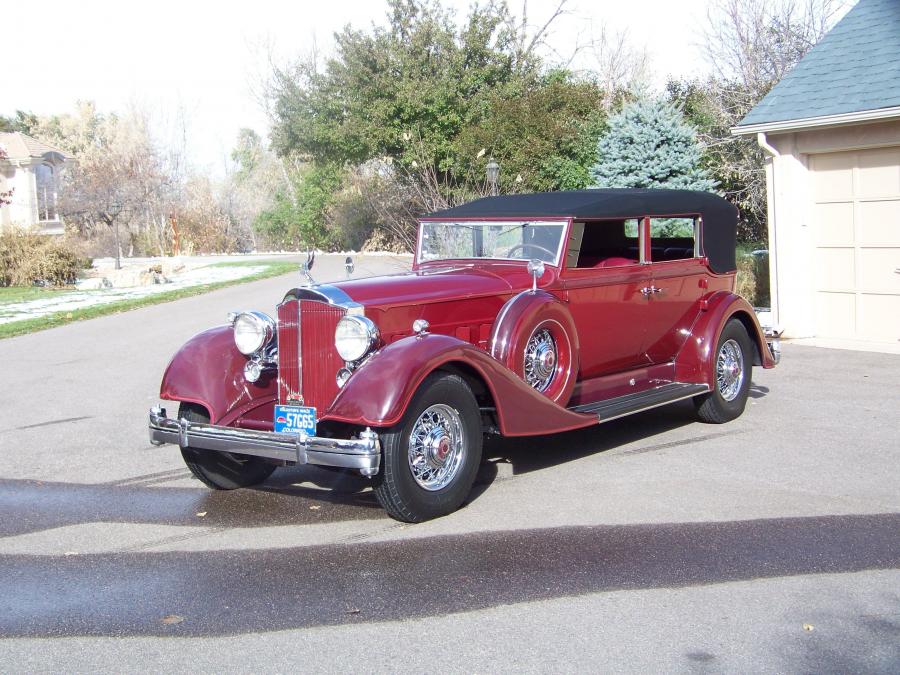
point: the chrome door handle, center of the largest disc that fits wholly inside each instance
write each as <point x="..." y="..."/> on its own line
<point x="647" y="291"/>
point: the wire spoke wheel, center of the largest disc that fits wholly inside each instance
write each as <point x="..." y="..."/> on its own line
<point x="540" y="360"/>
<point x="437" y="447"/>
<point x="730" y="370"/>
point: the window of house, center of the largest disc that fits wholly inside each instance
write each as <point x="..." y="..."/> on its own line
<point x="45" y="181"/>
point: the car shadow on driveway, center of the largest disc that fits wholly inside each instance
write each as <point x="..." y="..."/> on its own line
<point x="540" y="452"/>
<point x="307" y="494"/>
<point x="31" y="506"/>
<point x="239" y="591"/>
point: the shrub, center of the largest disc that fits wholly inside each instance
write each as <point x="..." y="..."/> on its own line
<point x="752" y="280"/>
<point x="27" y="259"/>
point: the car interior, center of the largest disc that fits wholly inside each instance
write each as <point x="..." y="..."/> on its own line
<point x="615" y="243"/>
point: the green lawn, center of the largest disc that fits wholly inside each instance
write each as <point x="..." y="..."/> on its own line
<point x="23" y="293"/>
<point x="18" y="294"/>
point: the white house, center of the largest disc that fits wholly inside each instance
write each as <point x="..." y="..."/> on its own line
<point x="831" y="133"/>
<point x="30" y="169"/>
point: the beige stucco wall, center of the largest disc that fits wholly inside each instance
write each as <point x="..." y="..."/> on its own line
<point x="789" y="182"/>
<point x="23" y="211"/>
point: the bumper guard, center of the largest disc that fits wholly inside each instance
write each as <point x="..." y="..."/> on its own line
<point x="363" y="453"/>
<point x="772" y="339"/>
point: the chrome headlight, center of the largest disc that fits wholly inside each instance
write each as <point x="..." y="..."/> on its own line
<point x="354" y="337"/>
<point x="252" y="331"/>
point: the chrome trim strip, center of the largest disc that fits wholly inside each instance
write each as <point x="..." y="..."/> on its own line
<point x="362" y="453"/>
<point x="300" y="351"/>
<point x="330" y="294"/>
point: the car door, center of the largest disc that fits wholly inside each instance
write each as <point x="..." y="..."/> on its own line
<point x="603" y="280"/>
<point x="677" y="276"/>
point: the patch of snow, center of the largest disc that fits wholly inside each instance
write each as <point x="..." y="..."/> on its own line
<point x="67" y="301"/>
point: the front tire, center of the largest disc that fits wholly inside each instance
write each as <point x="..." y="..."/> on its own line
<point x="221" y="470"/>
<point x="430" y="459"/>
<point x="732" y="370"/>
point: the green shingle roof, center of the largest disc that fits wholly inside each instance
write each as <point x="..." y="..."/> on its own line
<point x="854" y="68"/>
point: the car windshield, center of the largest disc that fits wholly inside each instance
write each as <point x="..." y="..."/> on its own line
<point x="505" y="240"/>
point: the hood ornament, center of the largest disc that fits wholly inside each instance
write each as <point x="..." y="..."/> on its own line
<point x="307" y="266"/>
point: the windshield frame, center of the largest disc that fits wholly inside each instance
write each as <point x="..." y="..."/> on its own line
<point x="565" y="221"/>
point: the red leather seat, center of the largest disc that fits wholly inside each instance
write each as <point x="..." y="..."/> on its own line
<point x="615" y="262"/>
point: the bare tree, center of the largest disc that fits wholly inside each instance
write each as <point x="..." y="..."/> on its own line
<point x="750" y="45"/>
<point x="754" y="43"/>
<point x="617" y="66"/>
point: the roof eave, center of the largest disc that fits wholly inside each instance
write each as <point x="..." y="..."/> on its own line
<point x="817" y="122"/>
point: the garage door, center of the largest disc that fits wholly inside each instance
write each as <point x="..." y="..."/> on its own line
<point x="856" y="240"/>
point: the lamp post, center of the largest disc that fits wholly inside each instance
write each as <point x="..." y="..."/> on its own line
<point x="113" y="211"/>
<point x="493" y="174"/>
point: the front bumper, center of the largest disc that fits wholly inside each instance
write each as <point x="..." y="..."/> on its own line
<point x="363" y="453"/>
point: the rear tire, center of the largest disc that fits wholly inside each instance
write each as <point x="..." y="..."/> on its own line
<point x="430" y="459"/>
<point x="732" y="370"/>
<point x="221" y="470"/>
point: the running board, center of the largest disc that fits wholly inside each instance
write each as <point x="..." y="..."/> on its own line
<point x="629" y="404"/>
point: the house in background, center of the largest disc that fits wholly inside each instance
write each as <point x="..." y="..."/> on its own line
<point x="31" y="170"/>
<point x="831" y="132"/>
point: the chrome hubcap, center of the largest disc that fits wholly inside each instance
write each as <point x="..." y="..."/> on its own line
<point x="730" y="370"/>
<point x="540" y="360"/>
<point x="437" y="447"/>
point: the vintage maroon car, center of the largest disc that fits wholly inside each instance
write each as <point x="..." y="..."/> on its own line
<point x="522" y="315"/>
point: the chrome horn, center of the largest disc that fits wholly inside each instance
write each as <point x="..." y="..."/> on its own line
<point x="348" y="265"/>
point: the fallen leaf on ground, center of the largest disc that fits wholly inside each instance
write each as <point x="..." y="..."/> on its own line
<point x="353" y="611"/>
<point x="71" y="553"/>
<point x="170" y="619"/>
<point x="808" y="627"/>
<point x="314" y="507"/>
<point x="201" y="514"/>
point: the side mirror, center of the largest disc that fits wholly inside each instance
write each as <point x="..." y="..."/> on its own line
<point x="348" y="265"/>
<point x="536" y="269"/>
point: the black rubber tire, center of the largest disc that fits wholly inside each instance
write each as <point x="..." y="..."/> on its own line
<point x="221" y="470"/>
<point x="395" y="487"/>
<point x="712" y="408"/>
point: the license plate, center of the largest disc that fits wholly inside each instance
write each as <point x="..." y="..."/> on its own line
<point x="295" y="419"/>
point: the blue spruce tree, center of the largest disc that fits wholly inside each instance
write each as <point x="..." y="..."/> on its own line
<point x="649" y="145"/>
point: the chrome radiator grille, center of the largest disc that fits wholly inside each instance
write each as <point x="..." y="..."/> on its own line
<point x="307" y="359"/>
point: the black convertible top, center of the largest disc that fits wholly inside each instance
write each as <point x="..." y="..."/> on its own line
<point x="719" y="216"/>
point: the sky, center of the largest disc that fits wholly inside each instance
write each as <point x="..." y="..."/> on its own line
<point x="197" y="66"/>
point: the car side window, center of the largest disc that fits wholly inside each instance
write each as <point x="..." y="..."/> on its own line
<point x="604" y="243"/>
<point x="673" y="238"/>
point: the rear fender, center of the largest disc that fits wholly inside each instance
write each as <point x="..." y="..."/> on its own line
<point x="378" y="393"/>
<point x="209" y="371"/>
<point x="695" y="360"/>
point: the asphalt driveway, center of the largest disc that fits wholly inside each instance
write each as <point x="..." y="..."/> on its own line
<point x="771" y="544"/>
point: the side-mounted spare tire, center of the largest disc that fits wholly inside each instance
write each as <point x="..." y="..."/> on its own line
<point x="535" y="337"/>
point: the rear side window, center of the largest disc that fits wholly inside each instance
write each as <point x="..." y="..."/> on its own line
<point x="673" y="238"/>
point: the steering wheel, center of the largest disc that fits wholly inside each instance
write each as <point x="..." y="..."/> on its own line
<point x="509" y="253"/>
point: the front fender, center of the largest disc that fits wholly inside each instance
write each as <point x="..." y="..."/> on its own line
<point x="378" y="393"/>
<point x="694" y="362"/>
<point x="209" y="370"/>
